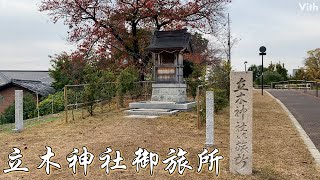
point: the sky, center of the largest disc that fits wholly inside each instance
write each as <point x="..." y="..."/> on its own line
<point x="28" y="37"/>
<point x="287" y="28"/>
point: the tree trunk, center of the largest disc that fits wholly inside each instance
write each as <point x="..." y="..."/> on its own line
<point x="136" y="49"/>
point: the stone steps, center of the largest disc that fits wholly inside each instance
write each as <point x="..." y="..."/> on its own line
<point x="162" y="105"/>
<point x="141" y="117"/>
<point x="158" y="108"/>
<point x="151" y="112"/>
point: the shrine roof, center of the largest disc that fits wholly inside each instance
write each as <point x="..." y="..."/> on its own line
<point x="178" y="40"/>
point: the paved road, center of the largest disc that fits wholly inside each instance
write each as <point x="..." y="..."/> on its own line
<point x="305" y="108"/>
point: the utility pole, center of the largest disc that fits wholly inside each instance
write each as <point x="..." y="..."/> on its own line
<point x="229" y="40"/>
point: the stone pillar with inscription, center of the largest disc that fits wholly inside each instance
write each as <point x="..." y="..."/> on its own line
<point x="209" y="118"/>
<point x="241" y="122"/>
<point x="18" y="110"/>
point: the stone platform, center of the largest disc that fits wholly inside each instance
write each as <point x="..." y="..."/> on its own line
<point x="157" y="108"/>
<point x="166" y="99"/>
<point x="162" y="105"/>
<point x="151" y="112"/>
<point x="169" y="92"/>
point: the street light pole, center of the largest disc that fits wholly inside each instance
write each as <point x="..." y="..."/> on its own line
<point x="262" y="75"/>
<point x="262" y="53"/>
<point x="229" y="41"/>
<point x="245" y="66"/>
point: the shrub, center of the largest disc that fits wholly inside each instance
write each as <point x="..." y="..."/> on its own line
<point x="192" y="85"/>
<point x="220" y="101"/>
<point x="29" y="110"/>
<point x="8" y="115"/>
<point x="45" y="106"/>
<point x="269" y="77"/>
<point x="108" y="91"/>
<point x="29" y="106"/>
<point x="219" y="83"/>
<point x="96" y="88"/>
<point x="219" y="78"/>
<point x="126" y="84"/>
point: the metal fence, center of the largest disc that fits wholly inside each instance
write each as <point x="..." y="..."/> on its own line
<point x="260" y="86"/>
<point x="76" y="106"/>
<point x="309" y="87"/>
<point x="74" y="96"/>
<point x="72" y="101"/>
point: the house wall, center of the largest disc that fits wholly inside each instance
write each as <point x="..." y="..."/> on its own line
<point x="8" y="96"/>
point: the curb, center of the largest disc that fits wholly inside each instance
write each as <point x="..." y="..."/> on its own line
<point x="307" y="141"/>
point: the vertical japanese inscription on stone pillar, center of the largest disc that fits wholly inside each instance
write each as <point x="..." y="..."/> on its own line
<point x="241" y="122"/>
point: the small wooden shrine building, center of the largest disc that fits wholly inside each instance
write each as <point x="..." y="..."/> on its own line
<point x="167" y="48"/>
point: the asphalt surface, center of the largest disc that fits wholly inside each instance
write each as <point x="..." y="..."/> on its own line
<point x="305" y="108"/>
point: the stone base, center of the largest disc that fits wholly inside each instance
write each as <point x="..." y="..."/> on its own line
<point x="208" y="145"/>
<point x="151" y="112"/>
<point x="157" y="108"/>
<point x="141" y="116"/>
<point x="169" y="92"/>
<point x="162" y="105"/>
<point x="166" y="99"/>
<point x="17" y="130"/>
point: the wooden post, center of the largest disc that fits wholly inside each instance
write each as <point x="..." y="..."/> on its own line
<point x="145" y="90"/>
<point x="198" y="105"/>
<point x="73" y="107"/>
<point x="82" y="113"/>
<point x="101" y="106"/>
<point x="38" y="105"/>
<point x="76" y="100"/>
<point x="66" y="103"/>
<point x="317" y="89"/>
<point x="305" y="85"/>
<point x="52" y="105"/>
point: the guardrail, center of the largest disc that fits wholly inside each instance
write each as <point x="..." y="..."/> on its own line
<point x="293" y="86"/>
<point x="309" y="87"/>
<point x="260" y="86"/>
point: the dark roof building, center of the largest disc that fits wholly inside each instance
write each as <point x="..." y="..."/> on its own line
<point x="34" y="86"/>
<point x="171" y="41"/>
<point x="7" y="75"/>
<point x="34" y="82"/>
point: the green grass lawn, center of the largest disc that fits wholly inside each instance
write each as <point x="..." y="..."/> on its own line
<point x="7" y="128"/>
